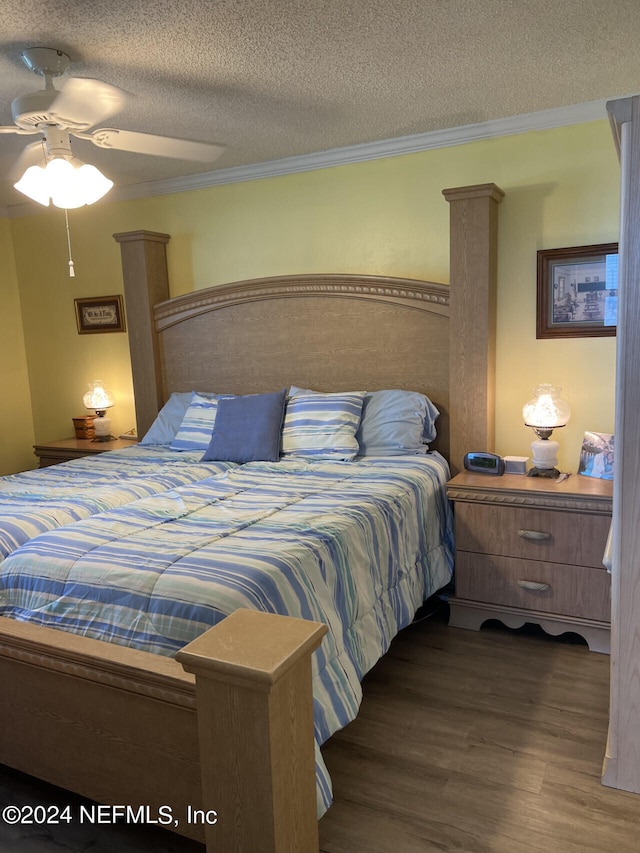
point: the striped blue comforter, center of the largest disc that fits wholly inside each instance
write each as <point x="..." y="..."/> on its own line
<point x="36" y="501"/>
<point x="356" y="545"/>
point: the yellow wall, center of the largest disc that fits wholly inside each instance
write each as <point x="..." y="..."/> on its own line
<point x="62" y="362"/>
<point x="380" y="217"/>
<point x="16" y="427"/>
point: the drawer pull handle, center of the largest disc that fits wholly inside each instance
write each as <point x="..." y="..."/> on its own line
<point x="536" y="586"/>
<point x="534" y="534"/>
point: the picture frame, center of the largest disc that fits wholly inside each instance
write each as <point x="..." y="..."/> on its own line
<point x="577" y="291"/>
<point x="597" y="455"/>
<point x="100" y="314"/>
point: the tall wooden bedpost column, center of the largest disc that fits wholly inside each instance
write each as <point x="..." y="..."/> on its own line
<point x="255" y="722"/>
<point x="473" y="276"/>
<point x="146" y="282"/>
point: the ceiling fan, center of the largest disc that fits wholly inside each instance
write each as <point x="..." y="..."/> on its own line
<point x="72" y="110"/>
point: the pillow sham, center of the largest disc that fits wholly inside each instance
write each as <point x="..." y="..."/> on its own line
<point x="166" y="425"/>
<point x="197" y="424"/>
<point x="247" y="428"/>
<point x="322" y="426"/>
<point x="396" y="423"/>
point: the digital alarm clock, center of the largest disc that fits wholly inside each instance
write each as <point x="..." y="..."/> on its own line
<point x="481" y="462"/>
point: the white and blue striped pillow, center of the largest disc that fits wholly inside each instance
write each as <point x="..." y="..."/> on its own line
<point x="322" y="426"/>
<point x="196" y="428"/>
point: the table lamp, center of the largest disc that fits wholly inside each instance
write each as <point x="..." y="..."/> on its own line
<point x="545" y="412"/>
<point x="99" y="399"/>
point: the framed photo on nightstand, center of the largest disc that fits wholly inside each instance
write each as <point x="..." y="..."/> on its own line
<point x="596" y="456"/>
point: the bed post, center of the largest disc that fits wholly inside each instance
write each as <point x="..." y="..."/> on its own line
<point x="146" y="282"/>
<point x="255" y="723"/>
<point x="473" y="276"/>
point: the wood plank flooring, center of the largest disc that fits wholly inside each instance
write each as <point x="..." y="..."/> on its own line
<point x="487" y="742"/>
<point x="478" y="742"/>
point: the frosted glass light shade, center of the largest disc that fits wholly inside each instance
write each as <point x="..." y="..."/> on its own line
<point x="546" y="410"/>
<point x="97" y="397"/>
<point x="33" y="184"/>
<point x="64" y="183"/>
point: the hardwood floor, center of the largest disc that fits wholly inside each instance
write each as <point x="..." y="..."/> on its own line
<point x="488" y="742"/>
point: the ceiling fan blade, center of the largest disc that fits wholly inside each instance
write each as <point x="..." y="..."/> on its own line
<point x="158" y="146"/>
<point x="32" y="155"/>
<point x="83" y="102"/>
<point x="11" y="128"/>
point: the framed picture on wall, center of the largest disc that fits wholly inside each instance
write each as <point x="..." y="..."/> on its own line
<point x="99" y="314"/>
<point x="577" y="292"/>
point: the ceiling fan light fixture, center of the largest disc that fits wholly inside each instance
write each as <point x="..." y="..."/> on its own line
<point x="33" y="185"/>
<point x="94" y="183"/>
<point x="64" y="184"/>
<point x="76" y="108"/>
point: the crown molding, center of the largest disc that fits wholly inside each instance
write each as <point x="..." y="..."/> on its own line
<point x="446" y="138"/>
<point x="543" y="120"/>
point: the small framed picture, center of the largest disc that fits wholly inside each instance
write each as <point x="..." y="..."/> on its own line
<point x="577" y="292"/>
<point x="596" y="456"/>
<point x="99" y="314"/>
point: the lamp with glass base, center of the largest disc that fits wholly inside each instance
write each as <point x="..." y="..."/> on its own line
<point x="545" y="412"/>
<point x="99" y="399"/>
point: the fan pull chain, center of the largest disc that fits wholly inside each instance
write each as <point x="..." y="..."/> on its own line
<point x="72" y="272"/>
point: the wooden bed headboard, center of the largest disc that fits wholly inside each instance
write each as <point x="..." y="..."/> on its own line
<point x="330" y="332"/>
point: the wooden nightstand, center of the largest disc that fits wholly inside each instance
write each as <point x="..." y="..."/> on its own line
<point x="72" y="448"/>
<point x="530" y="550"/>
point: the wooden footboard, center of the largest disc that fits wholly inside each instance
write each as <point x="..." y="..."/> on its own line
<point x="222" y="753"/>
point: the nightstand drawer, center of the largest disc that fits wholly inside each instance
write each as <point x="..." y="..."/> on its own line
<point x="564" y="589"/>
<point x="534" y="534"/>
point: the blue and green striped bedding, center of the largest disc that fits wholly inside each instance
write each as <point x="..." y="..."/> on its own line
<point x="33" y="502"/>
<point x="356" y="545"/>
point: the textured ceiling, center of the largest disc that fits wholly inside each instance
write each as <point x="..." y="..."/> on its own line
<point x="274" y="78"/>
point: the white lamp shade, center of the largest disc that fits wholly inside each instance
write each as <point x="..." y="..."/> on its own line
<point x="546" y="410"/>
<point x="63" y="183"/>
<point x="97" y="397"/>
<point x="33" y="184"/>
<point x="93" y="182"/>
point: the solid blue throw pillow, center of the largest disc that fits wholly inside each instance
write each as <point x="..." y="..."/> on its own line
<point x="248" y="429"/>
